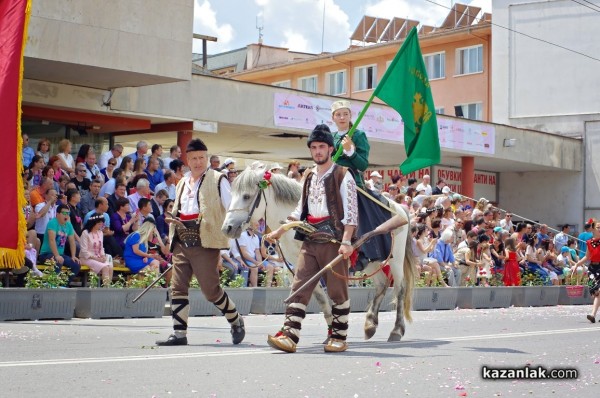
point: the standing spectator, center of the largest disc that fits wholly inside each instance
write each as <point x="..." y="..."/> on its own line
<point x="512" y="275"/>
<point x="155" y="153"/>
<point x="438" y="187"/>
<point x="142" y="190"/>
<point x="586" y="235"/>
<point x="154" y="173"/>
<point x="562" y="237"/>
<point x="174" y="153"/>
<point x="136" y="255"/>
<point x="425" y="185"/>
<point x="114" y="153"/>
<point x="293" y="167"/>
<point x="168" y="184"/>
<point x="64" y="153"/>
<point x="58" y="233"/>
<point x="88" y="198"/>
<point x="92" y="249"/>
<point x="28" y="152"/>
<point x="107" y="172"/>
<point x="445" y="258"/>
<point x="44" y="212"/>
<point x="140" y="151"/>
<point x="80" y="180"/>
<point x="123" y="223"/>
<point x="43" y="149"/>
<point x="507" y="224"/>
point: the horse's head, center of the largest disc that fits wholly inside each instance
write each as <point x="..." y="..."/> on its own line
<point x="245" y="197"/>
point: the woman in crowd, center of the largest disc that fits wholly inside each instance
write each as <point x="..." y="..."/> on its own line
<point x="480" y="207"/>
<point x="484" y="271"/>
<point x="35" y="170"/>
<point x="293" y="168"/>
<point x="423" y="247"/>
<point x="127" y="166"/>
<point x="92" y="249"/>
<point x="54" y="162"/>
<point x="534" y="262"/>
<point x="139" y="166"/>
<point x="161" y="224"/>
<point x="547" y="258"/>
<point x="83" y="152"/>
<point x="512" y="275"/>
<point x="122" y="222"/>
<point x="448" y="218"/>
<point x="107" y="172"/>
<point x="66" y="160"/>
<point x="48" y="171"/>
<point x="470" y="263"/>
<point x="135" y="254"/>
<point x="43" y="149"/>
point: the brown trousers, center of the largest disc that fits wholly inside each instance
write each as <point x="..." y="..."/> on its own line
<point x="189" y="261"/>
<point x="313" y="257"/>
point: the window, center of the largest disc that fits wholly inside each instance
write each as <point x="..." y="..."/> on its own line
<point x="308" y="84"/>
<point x="336" y="82"/>
<point x="366" y="77"/>
<point x="285" y="84"/>
<point x="439" y="111"/>
<point x="435" y="65"/>
<point x="469" y="60"/>
<point x="473" y="111"/>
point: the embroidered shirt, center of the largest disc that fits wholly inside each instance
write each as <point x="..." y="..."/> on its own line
<point x="317" y="201"/>
<point x="189" y="195"/>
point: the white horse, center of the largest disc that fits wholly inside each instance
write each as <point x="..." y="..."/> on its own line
<point x="278" y="201"/>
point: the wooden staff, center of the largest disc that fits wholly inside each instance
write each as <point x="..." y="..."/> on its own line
<point x="395" y="222"/>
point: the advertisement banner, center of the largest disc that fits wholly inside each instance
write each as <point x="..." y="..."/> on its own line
<point x="381" y="123"/>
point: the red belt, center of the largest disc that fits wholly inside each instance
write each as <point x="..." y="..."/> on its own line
<point x="188" y="217"/>
<point x="315" y="220"/>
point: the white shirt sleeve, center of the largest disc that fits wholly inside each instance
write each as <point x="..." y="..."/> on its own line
<point x="225" y="193"/>
<point x="349" y="201"/>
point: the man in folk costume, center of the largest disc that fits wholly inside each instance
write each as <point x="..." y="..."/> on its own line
<point x="328" y="203"/>
<point x="202" y="198"/>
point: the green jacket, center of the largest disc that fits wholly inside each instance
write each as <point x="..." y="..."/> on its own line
<point x="359" y="161"/>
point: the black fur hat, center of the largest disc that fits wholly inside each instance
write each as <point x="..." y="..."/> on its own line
<point x="320" y="133"/>
<point x="196" y="145"/>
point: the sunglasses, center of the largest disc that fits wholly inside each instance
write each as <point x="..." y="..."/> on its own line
<point x="81" y="171"/>
<point x="65" y="213"/>
<point x="113" y="164"/>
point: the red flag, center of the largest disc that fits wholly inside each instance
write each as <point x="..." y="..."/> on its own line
<point x="14" y="16"/>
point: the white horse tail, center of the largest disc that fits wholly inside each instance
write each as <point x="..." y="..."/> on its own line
<point x="410" y="265"/>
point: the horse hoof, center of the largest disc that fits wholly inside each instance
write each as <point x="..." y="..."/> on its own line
<point x="394" y="337"/>
<point x="370" y="331"/>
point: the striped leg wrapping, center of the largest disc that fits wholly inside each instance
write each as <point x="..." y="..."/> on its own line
<point x="294" y="315"/>
<point x="180" y="307"/>
<point x="339" y="325"/>
<point x="227" y="308"/>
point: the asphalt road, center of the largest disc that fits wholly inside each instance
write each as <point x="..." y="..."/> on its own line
<point x="441" y="355"/>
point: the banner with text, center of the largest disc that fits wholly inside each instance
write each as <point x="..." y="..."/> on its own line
<point x="380" y="122"/>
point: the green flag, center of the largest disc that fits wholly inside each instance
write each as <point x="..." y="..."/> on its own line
<point x="405" y="87"/>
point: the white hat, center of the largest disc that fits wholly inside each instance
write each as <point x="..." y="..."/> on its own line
<point x="228" y="161"/>
<point x="376" y="174"/>
<point x="276" y="166"/>
<point x="339" y="105"/>
<point x="446" y="190"/>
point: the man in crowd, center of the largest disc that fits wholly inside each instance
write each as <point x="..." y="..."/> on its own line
<point x="562" y="237"/>
<point x="82" y="183"/>
<point x="142" y="190"/>
<point x="88" y="198"/>
<point x="120" y="193"/>
<point x="154" y="173"/>
<point x="92" y="171"/>
<point x="38" y="194"/>
<point x="438" y="187"/>
<point x="28" y="152"/>
<point x="140" y="152"/>
<point x="215" y="162"/>
<point x="175" y="153"/>
<point x="425" y="186"/>
<point x="168" y="184"/>
<point x="109" y="187"/>
<point x="155" y="153"/>
<point x="157" y="202"/>
<point x="115" y="152"/>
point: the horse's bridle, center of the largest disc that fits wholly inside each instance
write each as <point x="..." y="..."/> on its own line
<point x="251" y="209"/>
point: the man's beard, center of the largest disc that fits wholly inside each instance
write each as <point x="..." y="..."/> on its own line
<point x="320" y="162"/>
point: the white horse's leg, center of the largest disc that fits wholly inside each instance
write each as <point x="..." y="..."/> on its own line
<point x="381" y="283"/>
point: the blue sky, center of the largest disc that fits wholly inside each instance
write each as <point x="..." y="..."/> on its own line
<point x="298" y="24"/>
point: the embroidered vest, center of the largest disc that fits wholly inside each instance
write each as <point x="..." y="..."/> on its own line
<point x="335" y="206"/>
<point x="211" y="209"/>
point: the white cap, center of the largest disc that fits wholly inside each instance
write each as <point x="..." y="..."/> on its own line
<point x="228" y="161"/>
<point x="376" y="174"/>
<point x="446" y="190"/>
<point x="276" y="166"/>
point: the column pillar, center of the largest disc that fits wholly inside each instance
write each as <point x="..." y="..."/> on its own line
<point x="183" y="139"/>
<point x="468" y="176"/>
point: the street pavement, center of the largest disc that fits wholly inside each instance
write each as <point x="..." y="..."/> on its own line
<point x="441" y="355"/>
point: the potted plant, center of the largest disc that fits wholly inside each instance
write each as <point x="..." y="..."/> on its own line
<point x="574" y="295"/>
<point x="44" y="297"/>
<point x="116" y="301"/>
<point x="241" y="296"/>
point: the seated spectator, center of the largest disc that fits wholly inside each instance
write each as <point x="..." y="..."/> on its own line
<point x="136" y="255"/>
<point x="38" y="194"/>
<point x="44" y="212"/>
<point x="80" y="180"/>
<point x="92" y="171"/>
<point x="111" y="246"/>
<point x="231" y="265"/>
<point x="58" y="233"/>
<point x="118" y="175"/>
<point x="177" y="167"/>
<point x="88" y="198"/>
<point x="161" y="225"/>
<point x="145" y="210"/>
<point x="168" y="184"/>
<point x="445" y="258"/>
<point x="534" y="263"/>
<point x="120" y="193"/>
<point x="154" y="173"/>
<point x="92" y="251"/>
<point x="35" y="170"/>
<point x="43" y="149"/>
<point x="422" y="247"/>
<point x="249" y="247"/>
<point x="64" y="153"/>
<point x="107" y="172"/>
<point x="157" y="202"/>
<point x="142" y="191"/>
<point x="76" y="218"/>
<point x="123" y="223"/>
<point x="272" y="257"/>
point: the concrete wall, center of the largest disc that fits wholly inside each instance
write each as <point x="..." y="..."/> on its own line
<point x="538" y="85"/>
<point x="551" y="198"/>
<point x="151" y="37"/>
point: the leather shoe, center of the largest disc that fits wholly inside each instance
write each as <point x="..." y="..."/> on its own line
<point x="238" y="332"/>
<point x="173" y="340"/>
<point x="336" y="345"/>
<point x="591" y="318"/>
<point x="282" y="343"/>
